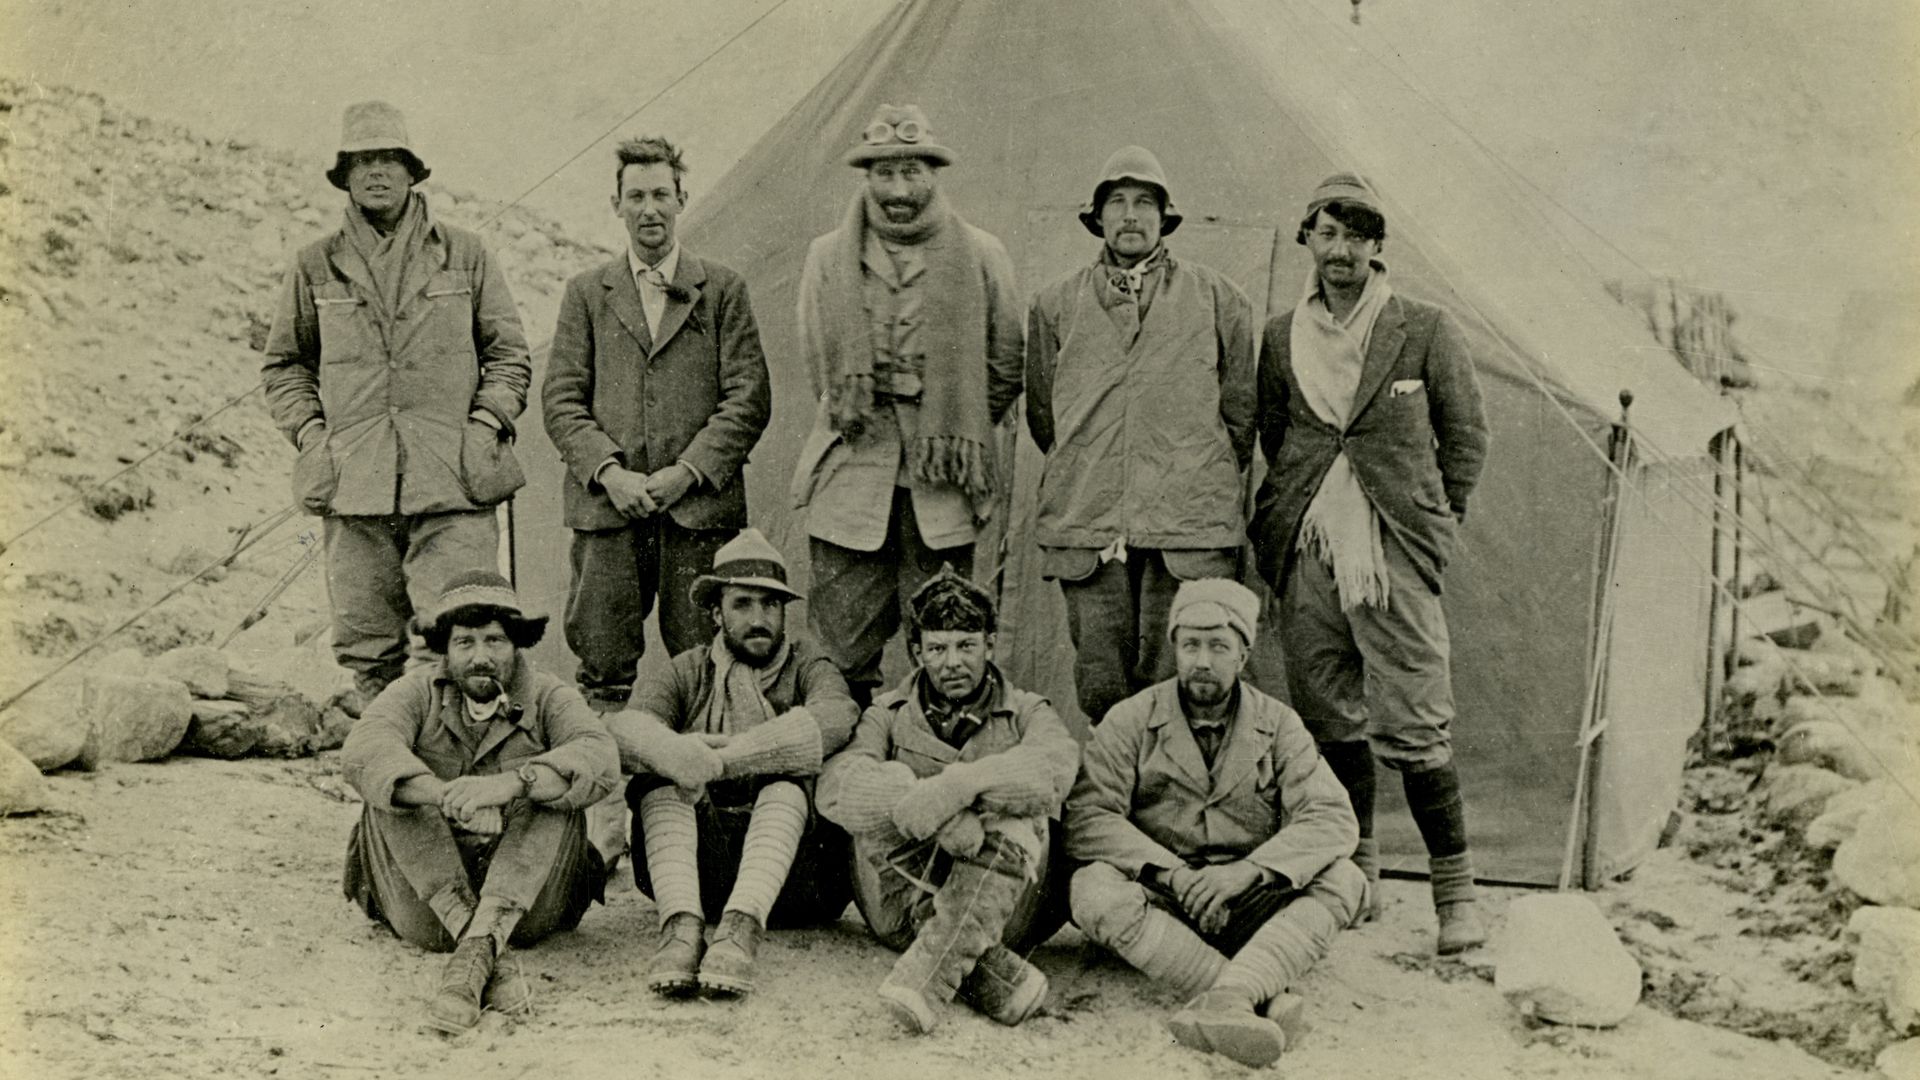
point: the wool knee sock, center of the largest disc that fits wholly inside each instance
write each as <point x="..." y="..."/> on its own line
<point x="1433" y="797"/>
<point x="1168" y="950"/>
<point x="773" y="837"/>
<point x="672" y="838"/>
<point x="1352" y="763"/>
<point x="1281" y="952"/>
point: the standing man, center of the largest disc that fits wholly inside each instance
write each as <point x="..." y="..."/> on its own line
<point x="951" y="787"/>
<point x="1215" y="839"/>
<point x="655" y="391"/>
<point x="476" y="773"/>
<point x="723" y="748"/>
<point x="397" y="366"/>
<point x="1371" y="422"/>
<point x="1140" y="390"/>
<point x="911" y="330"/>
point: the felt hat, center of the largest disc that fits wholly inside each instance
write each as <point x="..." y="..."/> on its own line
<point x="1214" y="602"/>
<point x="480" y="588"/>
<point x="373" y="125"/>
<point x="1345" y="187"/>
<point x="747" y="559"/>
<point x="1140" y="166"/>
<point x="897" y="131"/>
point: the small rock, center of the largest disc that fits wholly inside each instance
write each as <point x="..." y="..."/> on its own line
<point x="202" y="668"/>
<point x="131" y="718"/>
<point x="1881" y="860"/>
<point x="1763" y="678"/>
<point x="1900" y="1061"/>
<point x="48" y="735"/>
<point x="21" y="789"/>
<point x="1796" y="794"/>
<point x="1558" y="959"/>
<point x="222" y="729"/>
<point x="124" y="495"/>
<point x="1886" y="961"/>
<point x="334" y="725"/>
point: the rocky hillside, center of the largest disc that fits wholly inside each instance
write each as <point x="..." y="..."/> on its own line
<point x="139" y="264"/>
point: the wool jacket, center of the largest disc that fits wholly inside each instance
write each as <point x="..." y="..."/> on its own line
<point x="699" y="393"/>
<point x="1417" y="438"/>
<point x="846" y="483"/>
<point x="677" y="700"/>
<point x="1145" y="796"/>
<point x="396" y="392"/>
<point x="1032" y="754"/>
<point x="418" y="726"/>
<point x="1145" y="440"/>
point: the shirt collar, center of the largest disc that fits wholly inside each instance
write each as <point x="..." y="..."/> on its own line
<point x="668" y="267"/>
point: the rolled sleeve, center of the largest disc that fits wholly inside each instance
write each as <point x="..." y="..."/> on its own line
<point x="580" y="749"/>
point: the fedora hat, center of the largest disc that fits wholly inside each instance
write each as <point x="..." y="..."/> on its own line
<point x="897" y="131"/>
<point x="373" y="125"/>
<point x="748" y="559"/>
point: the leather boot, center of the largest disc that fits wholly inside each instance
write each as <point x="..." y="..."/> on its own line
<point x="1224" y="1022"/>
<point x="1456" y="904"/>
<point x="1367" y="858"/>
<point x="727" y="970"/>
<point x="675" y="970"/>
<point x="456" y="1005"/>
<point x="1003" y="986"/>
<point x="508" y="990"/>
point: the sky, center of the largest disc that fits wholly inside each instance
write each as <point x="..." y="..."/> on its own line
<point x="1768" y="148"/>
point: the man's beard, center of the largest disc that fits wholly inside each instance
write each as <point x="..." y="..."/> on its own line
<point x="742" y="648"/>
<point x="481" y="686"/>
<point x="1205" y="692"/>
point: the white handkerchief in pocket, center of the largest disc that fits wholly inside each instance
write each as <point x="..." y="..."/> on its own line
<point x="1402" y="387"/>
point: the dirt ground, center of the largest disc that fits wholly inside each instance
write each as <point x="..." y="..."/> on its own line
<point x="218" y="944"/>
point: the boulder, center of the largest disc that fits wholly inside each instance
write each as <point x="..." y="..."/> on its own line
<point x="21" y="789"/>
<point x="1796" y="794"/>
<point x="222" y="729"/>
<point x="1829" y="744"/>
<point x="1881" y="860"/>
<point x="202" y="668"/>
<point x="1558" y="959"/>
<point x="1825" y="672"/>
<point x="1845" y="811"/>
<point x="1886" y="961"/>
<point x="1900" y="1061"/>
<point x="1762" y="679"/>
<point x="50" y="736"/>
<point x="131" y="717"/>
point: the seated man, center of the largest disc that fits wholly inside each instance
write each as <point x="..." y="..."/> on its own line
<point x="948" y="787"/>
<point x="723" y="746"/>
<point x="475" y="772"/>
<point x="1211" y="829"/>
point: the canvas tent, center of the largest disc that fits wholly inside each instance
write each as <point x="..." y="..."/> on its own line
<point x="1249" y="103"/>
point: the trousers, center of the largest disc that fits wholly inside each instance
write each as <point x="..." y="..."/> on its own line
<point x="619" y="575"/>
<point x="383" y="568"/>
<point x="894" y="889"/>
<point x="1117" y="617"/>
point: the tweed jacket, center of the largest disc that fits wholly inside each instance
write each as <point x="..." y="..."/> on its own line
<point x="1417" y="439"/>
<point x="399" y="389"/>
<point x="1145" y="796"/>
<point x="699" y="393"/>
<point x="418" y="726"/>
<point x="1146" y="440"/>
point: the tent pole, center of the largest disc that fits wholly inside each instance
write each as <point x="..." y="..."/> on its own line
<point x="1592" y="725"/>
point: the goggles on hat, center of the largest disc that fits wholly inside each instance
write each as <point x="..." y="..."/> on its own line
<point x="907" y="131"/>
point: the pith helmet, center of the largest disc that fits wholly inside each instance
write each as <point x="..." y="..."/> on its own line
<point x="1139" y="165"/>
<point x="373" y="125"/>
<point x="898" y="131"/>
<point x="747" y="559"/>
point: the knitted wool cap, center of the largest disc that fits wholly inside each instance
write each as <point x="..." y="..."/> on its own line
<point x="479" y="588"/>
<point x="1214" y="602"/>
<point x="1345" y="187"/>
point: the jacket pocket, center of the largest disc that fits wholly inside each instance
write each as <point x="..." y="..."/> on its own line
<point x="1199" y="563"/>
<point x="315" y="480"/>
<point x="488" y="468"/>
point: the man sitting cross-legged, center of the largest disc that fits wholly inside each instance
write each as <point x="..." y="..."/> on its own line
<point x="723" y="746"/>
<point x="1217" y="842"/>
<point x="948" y="787"/>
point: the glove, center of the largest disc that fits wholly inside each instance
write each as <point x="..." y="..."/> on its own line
<point x="928" y="804"/>
<point x="962" y="835"/>
<point x="688" y="761"/>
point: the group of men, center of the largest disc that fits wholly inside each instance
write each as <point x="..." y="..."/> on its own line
<point x="1209" y="834"/>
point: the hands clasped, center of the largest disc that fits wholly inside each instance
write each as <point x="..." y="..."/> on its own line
<point x="1207" y="893"/>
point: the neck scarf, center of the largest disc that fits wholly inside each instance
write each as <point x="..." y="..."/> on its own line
<point x="386" y="256"/>
<point x="953" y="441"/>
<point x="739" y="697"/>
<point x="1341" y="527"/>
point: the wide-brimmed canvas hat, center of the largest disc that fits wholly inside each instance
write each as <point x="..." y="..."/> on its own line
<point x="898" y="131"/>
<point x="373" y="125"/>
<point x="1137" y="164"/>
<point x="748" y="559"/>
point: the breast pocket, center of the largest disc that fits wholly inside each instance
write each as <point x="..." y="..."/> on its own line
<point x="345" y="333"/>
<point x="449" y="308"/>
